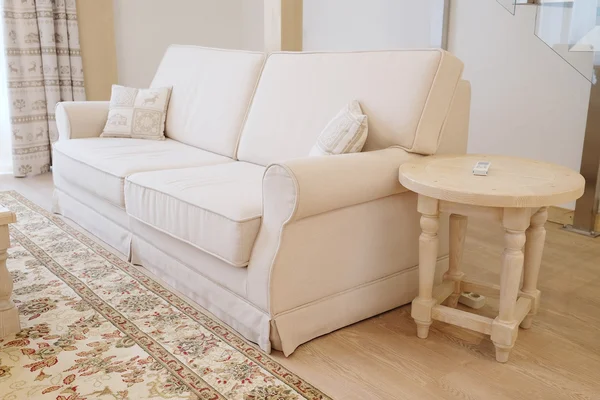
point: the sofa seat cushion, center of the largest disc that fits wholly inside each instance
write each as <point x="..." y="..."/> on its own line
<point x="217" y="209"/>
<point x="100" y="165"/>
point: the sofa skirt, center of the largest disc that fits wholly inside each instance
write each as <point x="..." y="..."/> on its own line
<point x="227" y="306"/>
<point x="220" y="288"/>
<point x="292" y="328"/>
<point x="285" y="331"/>
<point x="115" y="234"/>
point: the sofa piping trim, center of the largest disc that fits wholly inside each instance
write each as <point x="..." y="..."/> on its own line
<point x="68" y="119"/>
<point x="88" y="165"/>
<point x="281" y="229"/>
<point x="448" y="108"/>
<point x="59" y="189"/>
<point x="452" y="104"/>
<point x="353" y="288"/>
<point x="130" y="182"/>
<point x="442" y="56"/>
<point x="241" y="129"/>
<point x="399" y="191"/>
<point x="96" y="169"/>
<point x="300" y="53"/>
<point x="215" y="49"/>
<point x="192" y="269"/>
<point x="248" y="108"/>
<point x="238" y="265"/>
<point x="293" y="213"/>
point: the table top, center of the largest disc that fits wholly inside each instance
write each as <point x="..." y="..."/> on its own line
<point x="7" y="216"/>
<point x="511" y="181"/>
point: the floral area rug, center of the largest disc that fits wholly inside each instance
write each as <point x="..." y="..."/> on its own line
<point x="94" y="327"/>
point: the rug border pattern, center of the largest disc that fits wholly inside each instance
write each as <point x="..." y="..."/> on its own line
<point x="219" y="329"/>
<point x="153" y="348"/>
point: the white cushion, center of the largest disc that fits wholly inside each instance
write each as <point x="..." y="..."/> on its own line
<point x="100" y="165"/>
<point x="137" y="113"/>
<point x="216" y="208"/>
<point x="211" y="94"/>
<point x="405" y="93"/>
<point x="345" y="133"/>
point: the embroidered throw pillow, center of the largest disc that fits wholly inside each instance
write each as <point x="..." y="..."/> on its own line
<point x="137" y="113"/>
<point x="345" y="133"/>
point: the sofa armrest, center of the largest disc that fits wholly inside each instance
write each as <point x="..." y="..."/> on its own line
<point x="297" y="189"/>
<point x="81" y="119"/>
<point x="323" y="184"/>
<point x="332" y="227"/>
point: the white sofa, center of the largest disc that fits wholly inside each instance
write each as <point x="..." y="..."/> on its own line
<point x="230" y="210"/>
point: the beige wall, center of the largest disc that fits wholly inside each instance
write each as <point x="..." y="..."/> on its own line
<point x="252" y="25"/>
<point x="145" y="28"/>
<point x="96" y="35"/>
<point x="123" y="41"/>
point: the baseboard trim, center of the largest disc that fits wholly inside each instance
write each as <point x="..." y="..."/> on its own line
<point x="564" y="216"/>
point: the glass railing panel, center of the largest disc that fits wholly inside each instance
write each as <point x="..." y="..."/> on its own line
<point x="510" y="5"/>
<point x="572" y="29"/>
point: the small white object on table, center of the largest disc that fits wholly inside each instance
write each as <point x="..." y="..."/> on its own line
<point x="9" y="314"/>
<point x="516" y="193"/>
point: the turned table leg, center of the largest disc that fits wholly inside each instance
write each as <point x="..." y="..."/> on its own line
<point x="458" y="232"/>
<point x="428" y="251"/>
<point x="534" y="247"/>
<point x="505" y="326"/>
<point x="9" y="314"/>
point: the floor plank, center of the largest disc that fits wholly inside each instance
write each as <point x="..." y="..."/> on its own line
<point x="381" y="358"/>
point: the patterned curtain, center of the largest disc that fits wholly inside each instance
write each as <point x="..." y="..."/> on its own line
<point x="44" y="67"/>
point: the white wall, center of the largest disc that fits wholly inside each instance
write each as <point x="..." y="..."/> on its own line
<point x="527" y="101"/>
<point x="144" y="29"/>
<point x="367" y="24"/>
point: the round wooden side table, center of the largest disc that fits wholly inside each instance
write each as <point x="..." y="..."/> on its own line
<point x="516" y="193"/>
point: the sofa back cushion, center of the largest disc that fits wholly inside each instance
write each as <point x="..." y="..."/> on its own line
<point x="212" y="89"/>
<point x="405" y="94"/>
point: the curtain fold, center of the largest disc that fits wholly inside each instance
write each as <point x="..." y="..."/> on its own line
<point x="44" y="67"/>
<point x="5" y="140"/>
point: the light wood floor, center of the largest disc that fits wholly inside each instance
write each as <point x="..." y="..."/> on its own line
<point x="381" y="358"/>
